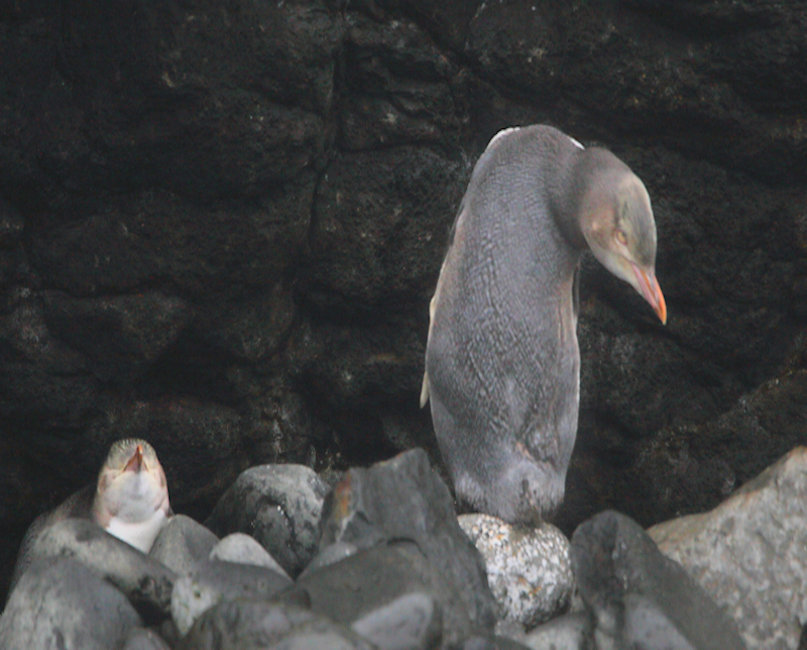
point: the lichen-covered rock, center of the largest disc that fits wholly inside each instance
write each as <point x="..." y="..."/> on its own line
<point x="750" y="553"/>
<point x="529" y="569"/>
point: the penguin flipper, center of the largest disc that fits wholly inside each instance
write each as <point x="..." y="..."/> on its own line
<point x="424" y="387"/>
<point x="424" y="390"/>
<point x="78" y="505"/>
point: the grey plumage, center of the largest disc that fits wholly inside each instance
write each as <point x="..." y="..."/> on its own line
<point x="502" y="359"/>
<point x="79" y="504"/>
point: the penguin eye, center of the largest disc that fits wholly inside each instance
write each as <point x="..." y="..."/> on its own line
<point x="621" y="237"/>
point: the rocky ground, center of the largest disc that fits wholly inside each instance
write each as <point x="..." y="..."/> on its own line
<point x="220" y="226"/>
<point x="380" y="560"/>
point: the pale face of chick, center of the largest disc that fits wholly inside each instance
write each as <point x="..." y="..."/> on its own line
<point x="618" y="225"/>
<point x="132" y="497"/>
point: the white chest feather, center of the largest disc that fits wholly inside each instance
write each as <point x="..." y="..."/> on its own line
<point x="139" y="534"/>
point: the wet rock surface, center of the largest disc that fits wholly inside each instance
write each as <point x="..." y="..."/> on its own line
<point x="220" y="227"/>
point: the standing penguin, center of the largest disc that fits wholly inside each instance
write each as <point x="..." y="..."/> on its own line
<point x="502" y="360"/>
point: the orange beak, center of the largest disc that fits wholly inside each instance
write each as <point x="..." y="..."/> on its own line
<point x="651" y="292"/>
<point x="135" y="463"/>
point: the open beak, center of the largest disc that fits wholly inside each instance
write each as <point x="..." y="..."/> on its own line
<point x="135" y="463"/>
<point x="651" y="292"/>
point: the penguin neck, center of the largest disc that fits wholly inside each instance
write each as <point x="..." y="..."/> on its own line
<point x="565" y="187"/>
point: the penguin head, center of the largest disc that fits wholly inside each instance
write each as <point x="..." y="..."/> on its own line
<point x="131" y="484"/>
<point x="617" y="223"/>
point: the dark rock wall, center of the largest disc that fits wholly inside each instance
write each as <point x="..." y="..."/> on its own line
<point x="221" y="223"/>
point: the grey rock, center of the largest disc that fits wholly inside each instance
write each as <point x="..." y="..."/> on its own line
<point x="411" y="622"/>
<point x="278" y="505"/>
<point x="146" y="582"/>
<point x="510" y="629"/>
<point x="140" y="638"/>
<point x="568" y="632"/>
<point x="749" y="553"/>
<point x="183" y="544"/>
<point x="404" y="499"/>
<point x="639" y="596"/>
<point x="243" y="549"/>
<point x="529" y="569"/>
<point x="322" y="635"/>
<point x="214" y="581"/>
<point x="258" y="624"/>
<point x="494" y="642"/>
<point x="376" y="577"/>
<point x="59" y="603"/>
<point x="330" y="554"/>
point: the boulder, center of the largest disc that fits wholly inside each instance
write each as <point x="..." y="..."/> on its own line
<point x="182" y="544"/>
<point x="639" y="597"/>
<point x="278" y="505"/>
<point x="374" y="578"/>
<point x="750" y="553"/>
<point x="258" y="624"/>
<point x="479" y="642"/>
<point x="214" y="581"/>
<point x="404" y="499"/>
<point x="243" y="549"/>
<point x="60" y="603"/>
<point x="529" y="569"/>
<point x="411" y="622"/>
<point x="568" y="632"/>
<point x="330" y="554"/>
<point x="140" y="638"/>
